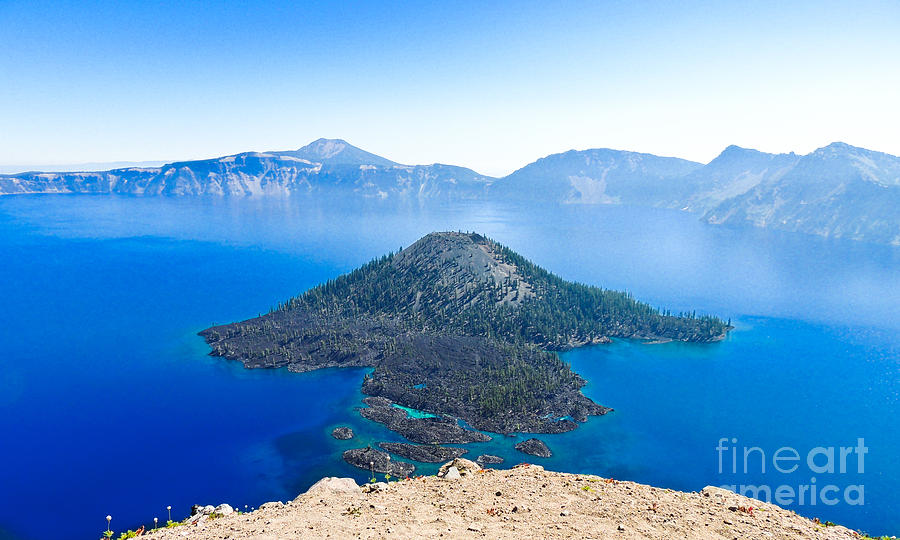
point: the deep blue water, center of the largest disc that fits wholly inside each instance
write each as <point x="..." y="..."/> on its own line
<point x="109" y="404"/>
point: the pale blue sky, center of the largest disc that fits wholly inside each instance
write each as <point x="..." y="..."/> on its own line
<point x="489" y="87"/>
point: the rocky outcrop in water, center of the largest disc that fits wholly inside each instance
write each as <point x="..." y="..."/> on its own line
<point x="342" y="433"/>
<point x="534" y="447"/>
<point x="488" y="459"/>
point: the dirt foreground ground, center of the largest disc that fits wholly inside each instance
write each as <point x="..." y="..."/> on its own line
<point x="521" y="503"/>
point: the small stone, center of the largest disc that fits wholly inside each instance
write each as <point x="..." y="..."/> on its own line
<point x="474" y="527"/>
<point x="564" y="513"/>
<point x="271" y="505"/>
<point x="463" y="466"/>
<point x="372" y="487"/>
<point x="717" y="493"/>
<point x="620" y="528"/>
<point x="224" y="509"/>
<point x="208" y="509"/>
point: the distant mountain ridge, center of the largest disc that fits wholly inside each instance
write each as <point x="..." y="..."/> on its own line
<point x="598" y="176"/>
<point x="325" y="165"/>
<point x="91" y="166"/>
<point x="838" y="191"/>
<point x="733" y="172"/>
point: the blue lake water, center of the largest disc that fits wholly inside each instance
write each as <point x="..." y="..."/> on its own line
<point x="110" y="405"/>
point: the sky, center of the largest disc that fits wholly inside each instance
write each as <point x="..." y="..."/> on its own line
<point x="487" y="85"/>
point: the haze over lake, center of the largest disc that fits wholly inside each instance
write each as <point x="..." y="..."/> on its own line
<point x="110" y="404"/>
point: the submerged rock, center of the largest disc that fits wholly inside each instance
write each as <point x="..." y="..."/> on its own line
<point x="534" y="447"/>
<point x="342" y="433"/>
<point x="426" y="453"/>
<point x="369" y="459"/>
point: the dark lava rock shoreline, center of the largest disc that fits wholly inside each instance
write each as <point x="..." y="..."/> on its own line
<point x="424" y="453"/>
<point x="371" y="459"/>
<point x="439" y="430"/>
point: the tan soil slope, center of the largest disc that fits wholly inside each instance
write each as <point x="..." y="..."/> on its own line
<point x="521" y="503"/>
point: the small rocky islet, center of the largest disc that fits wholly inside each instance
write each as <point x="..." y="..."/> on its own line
<point x="342" y="433"/>
<point x="488" y="459"/>
<point x="534" y="447"/>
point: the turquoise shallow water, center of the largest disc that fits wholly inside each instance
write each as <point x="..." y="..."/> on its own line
<point x="109" y="404"/>
<point x="414" y="413"/>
